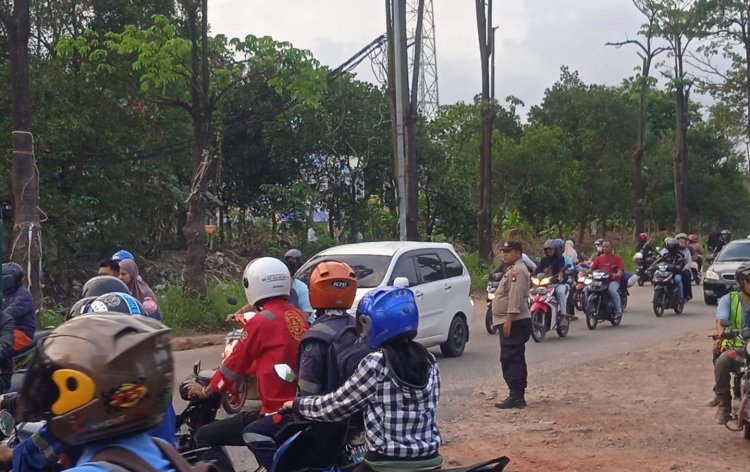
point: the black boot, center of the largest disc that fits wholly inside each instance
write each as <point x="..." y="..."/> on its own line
<point x="513" y="401"/>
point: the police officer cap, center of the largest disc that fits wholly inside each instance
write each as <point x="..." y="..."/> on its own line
<point x="512" y="246"/>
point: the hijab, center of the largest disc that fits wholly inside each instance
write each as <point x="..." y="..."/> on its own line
<point x="570" y="251"/>
<point x="137" y="286"/>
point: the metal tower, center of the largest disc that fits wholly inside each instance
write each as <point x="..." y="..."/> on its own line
<point x="428" y="78"/>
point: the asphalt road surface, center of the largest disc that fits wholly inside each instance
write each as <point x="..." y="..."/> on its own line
<point x="460" y="376"/>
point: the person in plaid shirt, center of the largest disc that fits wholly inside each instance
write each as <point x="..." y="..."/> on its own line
<point x="397" y="386"/>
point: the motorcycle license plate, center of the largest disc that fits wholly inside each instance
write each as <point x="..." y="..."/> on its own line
<point x="538" y="291"/>
<point x="597" y="284"/>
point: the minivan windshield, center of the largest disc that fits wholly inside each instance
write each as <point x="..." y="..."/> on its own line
<point x="369" y="269"/>
<point x="735" y="252"/>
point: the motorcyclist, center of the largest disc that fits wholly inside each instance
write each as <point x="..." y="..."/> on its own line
<point x="17" y="303"/>
<point x="676" y="257"/>
<point x="645" y="247"/>
<point x="7" y="339"/>
<point x="121" y="394"/>
<point x="397" y="387"/>
<point x="333" y="287"/>
<point x="268" y="338"/>
<point x="109" y="267"/>
<point x="553" y="263"/>
<point x="696" y="249"/>
<point x="716" y="242"/>
<point x="611" y="263"/>
<point x="733" y="307"/>
<point x="687" y="276"/>
<point x="300" y="294"/>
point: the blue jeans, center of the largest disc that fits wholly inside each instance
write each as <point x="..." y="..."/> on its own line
<point x="614" y="292"/>
<point x="561" y="292"/>
<point x="680" y="288"/>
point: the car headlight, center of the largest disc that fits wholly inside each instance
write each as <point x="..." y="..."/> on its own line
<point x="711" y="275"/>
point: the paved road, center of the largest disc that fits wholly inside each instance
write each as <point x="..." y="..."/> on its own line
<point x="460" y="376"/>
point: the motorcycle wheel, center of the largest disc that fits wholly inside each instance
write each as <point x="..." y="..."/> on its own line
<point x="658" y="309"/>
<point x="591" y="317"/>
<point x="234" y="399"/>
<point x="537" y="325"/>
<point x="679" y="307"/>
<point x="616" y="320"/>
<point x="563" y="325"/>
<point x="488" y="322"/>
<point x="624" y="302"/>
<point x="578" y="300"/>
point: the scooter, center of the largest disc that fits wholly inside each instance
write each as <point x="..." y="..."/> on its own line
<point x="545" y="312"/>
<point x="492" y="283"/>
<point x="666" y="292"/>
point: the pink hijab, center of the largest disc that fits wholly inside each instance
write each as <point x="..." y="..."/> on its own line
<point x="138" y="288"/>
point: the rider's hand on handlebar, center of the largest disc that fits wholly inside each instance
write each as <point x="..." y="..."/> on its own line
<point x="196" y="392"/>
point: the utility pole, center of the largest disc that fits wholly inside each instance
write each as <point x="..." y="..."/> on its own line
<point x="397" y="78"/>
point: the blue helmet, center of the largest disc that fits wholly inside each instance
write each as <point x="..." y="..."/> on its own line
<point x="116" y="302"/>
<point x="122" y="254"/>
<point x="387" y="313"/>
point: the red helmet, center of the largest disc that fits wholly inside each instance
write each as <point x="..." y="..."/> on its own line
<point x="693" y="238"/>
<point x="643" y="237"/>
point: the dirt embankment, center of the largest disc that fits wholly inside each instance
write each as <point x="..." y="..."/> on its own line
<point x="641" y="411"/>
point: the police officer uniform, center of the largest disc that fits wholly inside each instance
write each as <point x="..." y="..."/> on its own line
<point x="511" y="299"/>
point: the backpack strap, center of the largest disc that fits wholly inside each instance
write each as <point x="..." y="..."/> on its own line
<point x="119" y="459"/>
<point x="179" y="462"/>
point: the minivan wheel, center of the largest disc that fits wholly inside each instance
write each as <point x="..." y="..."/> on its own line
<point x="457" y="337"/>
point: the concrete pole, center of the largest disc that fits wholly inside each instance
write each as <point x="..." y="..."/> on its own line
<point x="399" y="49"/>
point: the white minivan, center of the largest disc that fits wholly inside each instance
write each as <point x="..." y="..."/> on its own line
<point x="435" y="273"/>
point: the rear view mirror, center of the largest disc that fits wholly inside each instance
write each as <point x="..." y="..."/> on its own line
<point x="232" y="300"/>
<point x="401" y="282"/>
<point x="196" y="367"/>
<point x="285" y="372"/>
<point x="725" y="323"/>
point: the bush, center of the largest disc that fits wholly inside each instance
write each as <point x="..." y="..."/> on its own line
<point x="184" y="312"/>
<point x="49" y="319"/>
<point x="478" y="271"/>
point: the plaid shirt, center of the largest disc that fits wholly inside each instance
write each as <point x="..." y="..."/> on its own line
<point x="399" y="418"/>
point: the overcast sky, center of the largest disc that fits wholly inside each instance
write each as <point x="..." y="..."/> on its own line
<point x="535" y="38"/>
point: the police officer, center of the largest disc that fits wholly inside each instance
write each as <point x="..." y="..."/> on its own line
<point x="510" y="310"/>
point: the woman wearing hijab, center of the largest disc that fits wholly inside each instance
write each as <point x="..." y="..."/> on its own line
<point x="138" y="288"/>
<point x="570" y="252"/>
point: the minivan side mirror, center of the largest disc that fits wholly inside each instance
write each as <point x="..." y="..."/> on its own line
<point x="401" y="282"/>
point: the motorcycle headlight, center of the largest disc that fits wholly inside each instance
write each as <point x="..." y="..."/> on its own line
<point x="711" y="275"/>
<point x="588" y="280"/>
<point x="490" y="296"/>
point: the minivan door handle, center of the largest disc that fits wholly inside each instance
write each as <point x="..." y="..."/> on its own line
<point x="418" y="294"/>
<point x="448" y="286"/>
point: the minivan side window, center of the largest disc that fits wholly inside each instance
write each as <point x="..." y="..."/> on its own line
<point x="430" y="267"/>
<point x="405" y="268"/>
<point x="453" y="267"/>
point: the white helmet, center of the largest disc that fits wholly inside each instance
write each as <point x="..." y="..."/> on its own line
<point x="264" y="278"/>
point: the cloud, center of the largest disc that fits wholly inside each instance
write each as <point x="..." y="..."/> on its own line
<point x="535" y="38"/>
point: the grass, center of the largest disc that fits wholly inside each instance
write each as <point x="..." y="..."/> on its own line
<point x="478" y="271"/>
<point x="186" y="313"/>
<point x="49" y="319"/>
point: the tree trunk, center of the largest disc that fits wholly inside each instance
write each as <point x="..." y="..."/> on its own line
<point x="638" y="190"/>
<point x="747" y="91"/>
<point x="484" y="226"/>
<point x="27" y="233"/>
<point x="194" y="272"/>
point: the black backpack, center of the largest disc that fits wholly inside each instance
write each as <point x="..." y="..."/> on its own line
<point x="346" y="349"/>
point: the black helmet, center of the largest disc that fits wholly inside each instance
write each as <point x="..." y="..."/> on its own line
<point x="80" y="307"/>
<point x="742" y="271"/>
<point x="102" y="284"/>
<point x="12" y="276"/>
<point x="293" y="260"/>
<point x="672" y="245"/>
<point x="117" y="302"/>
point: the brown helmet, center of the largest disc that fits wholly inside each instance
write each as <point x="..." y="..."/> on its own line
<point x="100" y="376"/>
<point x="332" y="285"/>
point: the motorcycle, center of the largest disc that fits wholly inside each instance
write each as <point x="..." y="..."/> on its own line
<point x="233" y="400"/>
<point x="740" y="391"/>
<point x="195" y="415"/>
<point x="545" y="313"/>
<point x="642" y="266"/>
<point x="579" y="291"/>
<point x="314" y="446"/>
<point x="492" y="283"/>
<point x="666" y="290"/>
<point x="599" y="305"/>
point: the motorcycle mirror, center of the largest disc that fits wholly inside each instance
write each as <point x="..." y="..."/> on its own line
<point x="401" y="282"/>
<point x="285" y="372"/>
<point x="196" y="367"/>
<point x="7" y="423"/>
<point x="725" y="323"/>
<point x="232" y="300"/>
